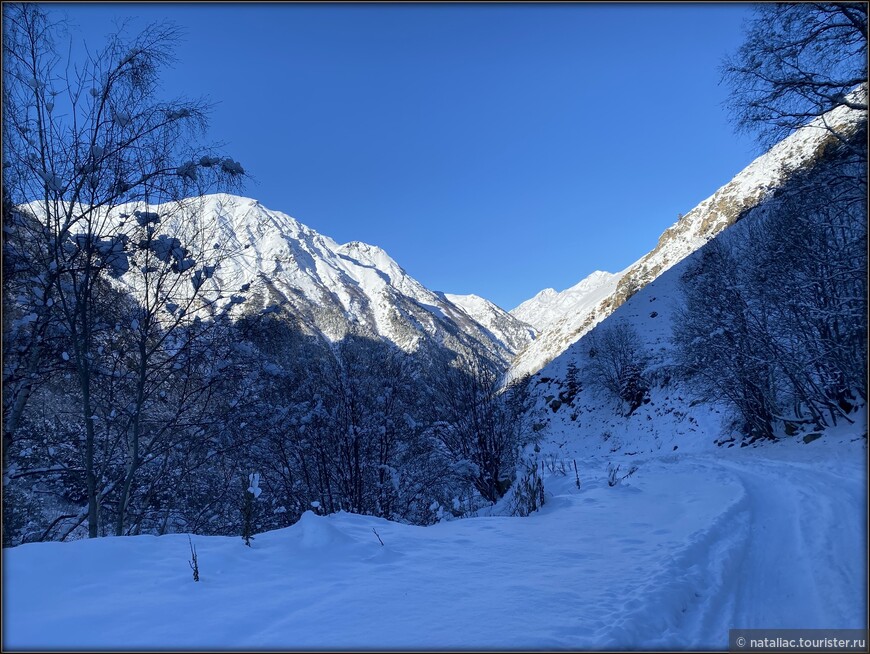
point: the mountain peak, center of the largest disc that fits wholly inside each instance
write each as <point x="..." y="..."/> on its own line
<point x="549" y="306"/>
<point x="371" y="253"/>
<point x="335" y="289"/>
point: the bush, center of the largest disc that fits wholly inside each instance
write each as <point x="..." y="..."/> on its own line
<point x="617" y="364"/>
<point x="528" y="491"/>
<point x="252" y="492"/>
<point x="193" y="562"/>
<point x="613" y="476"/>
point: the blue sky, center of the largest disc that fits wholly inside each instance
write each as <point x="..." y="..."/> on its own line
<point x="489" y="149"/>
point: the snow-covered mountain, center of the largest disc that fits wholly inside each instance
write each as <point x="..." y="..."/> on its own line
<point x="578" y="418"/>
<point x="550" y="306"/>
<point x="559" y="316"/>
<point x="335" y="289"/>
<point x="513" y="331"/>
<point x="668" y="540"/>
<point x="722" y="209"/>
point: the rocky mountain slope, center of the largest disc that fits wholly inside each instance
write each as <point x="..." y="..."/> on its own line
<point x="515" y="332"/>
<point x="560" y="314"/>
<point x="722" y="209"/>
<point x="334" y="289"/>
<point x="577" y="416"/>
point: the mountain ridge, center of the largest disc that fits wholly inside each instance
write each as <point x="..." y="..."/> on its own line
<point x="336" y="289"/>
<point x="710" y="217"/>
<point x="549" y="306"/>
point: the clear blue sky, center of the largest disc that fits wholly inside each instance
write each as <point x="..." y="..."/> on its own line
<point x="495" y="150"/>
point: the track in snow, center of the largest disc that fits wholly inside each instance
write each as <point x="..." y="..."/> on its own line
<point x="792" y="555"/>
<point x="688" y="548"/>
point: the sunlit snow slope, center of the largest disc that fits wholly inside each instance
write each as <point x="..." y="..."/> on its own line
<point x="515" y="333"/>
<point x="550" y="306"/>
<point x="334" y="289"/>
<point x="722" y="209"/>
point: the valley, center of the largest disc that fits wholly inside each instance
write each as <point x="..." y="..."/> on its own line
<point x="225" y="429"/>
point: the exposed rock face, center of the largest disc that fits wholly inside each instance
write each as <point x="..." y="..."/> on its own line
<point x="721" y="210"/>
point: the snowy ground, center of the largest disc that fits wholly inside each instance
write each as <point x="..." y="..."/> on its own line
<point x="688" y="547"/>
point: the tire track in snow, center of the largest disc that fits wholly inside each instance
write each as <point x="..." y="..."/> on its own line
<point x="805" y="563"/>
<point x="792" y="554"/>
<point x="789" y="553"/>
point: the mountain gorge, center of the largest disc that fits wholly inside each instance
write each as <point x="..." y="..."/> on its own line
<point x="220" y="336"/>
<point x="224" y="429"/>
<point x="349" y="384"/>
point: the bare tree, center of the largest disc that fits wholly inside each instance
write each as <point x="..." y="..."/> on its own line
<point x="484" y="425"/>
<point x="799" y="61"/>
<point x="809" y="255"/>
<point x="81" y="140"/>
<point x="719" y="334"/>
<point x="178" y="332"/>
<point x="617" y="362"/>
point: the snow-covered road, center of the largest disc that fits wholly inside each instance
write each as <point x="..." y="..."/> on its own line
<point x="688" y="547"/>
<point x="797" y="555"/>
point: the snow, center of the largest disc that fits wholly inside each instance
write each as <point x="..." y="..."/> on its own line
<point x="232" y="167"/>
<point x="187" y="171"/>
<point x="510" y="329"/>
<point x="175" y="114"/>
<point x="277" y="258"/>
<point x="330" y="288"/>
<point x="686" y="548"/>
<point x="562" y="325"/>
<point x="549" y="306"/>
<point x="698" y="540"/>
<point x="121" y="117"/>
<point x="561" y="317"/>
<point x="254" y="488"/>
<point x="147" y="218"/>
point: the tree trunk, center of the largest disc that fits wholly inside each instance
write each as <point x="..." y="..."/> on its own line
<point x="133" y="464"/>
<point x="93" y="508"/>
<point x="10" y="422"/>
